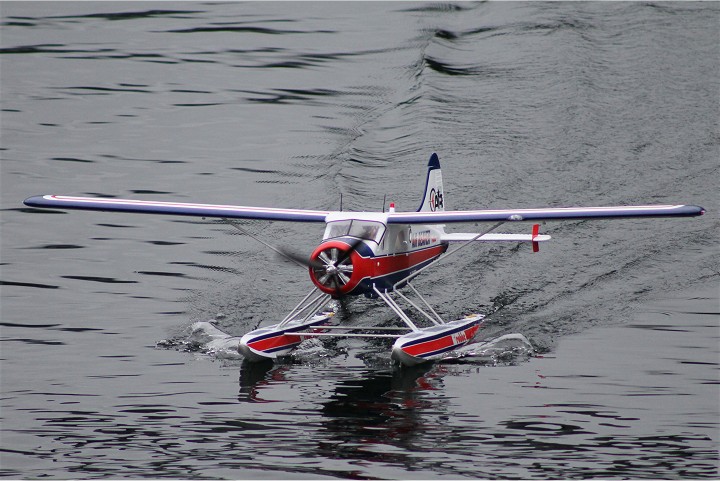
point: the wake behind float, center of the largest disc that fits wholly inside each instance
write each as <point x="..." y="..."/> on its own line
<point x="376" y="254"/>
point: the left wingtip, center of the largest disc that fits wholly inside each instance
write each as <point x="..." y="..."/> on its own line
<point x="34" y="201"/>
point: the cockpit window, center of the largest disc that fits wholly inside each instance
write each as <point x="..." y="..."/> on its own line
<point x="367" y="230"/>
<point x="364" y="229"/>
<point x="337" y="229"/>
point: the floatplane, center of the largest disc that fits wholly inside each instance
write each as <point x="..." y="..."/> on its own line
<point x="375" y="254"/>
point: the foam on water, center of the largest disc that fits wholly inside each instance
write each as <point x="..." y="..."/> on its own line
<point x="204" y="337"/>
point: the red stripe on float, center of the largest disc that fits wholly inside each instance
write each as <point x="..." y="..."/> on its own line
<point x="274" y="342"/>
<point x="444" y="342"/>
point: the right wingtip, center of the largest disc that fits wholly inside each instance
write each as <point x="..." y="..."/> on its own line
<point x="698" y="210"/>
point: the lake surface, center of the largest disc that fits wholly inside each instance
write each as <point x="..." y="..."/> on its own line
<point x="606" y="352"/>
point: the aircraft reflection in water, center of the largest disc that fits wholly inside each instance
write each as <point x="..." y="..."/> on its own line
<point x="378" y="409"/>
<point x="372" y="408"/>
<point x="256" y="377"/>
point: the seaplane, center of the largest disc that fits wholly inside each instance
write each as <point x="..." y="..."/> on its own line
<point x="377" y="255"/>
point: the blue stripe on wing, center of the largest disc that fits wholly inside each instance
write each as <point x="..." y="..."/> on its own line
<point x="557" y="213"/>
<point x="176" y="208"/>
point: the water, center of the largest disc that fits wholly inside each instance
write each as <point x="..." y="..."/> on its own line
<point x="609" y="362"/>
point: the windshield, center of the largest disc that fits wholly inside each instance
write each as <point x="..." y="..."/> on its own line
<point x="364" y="229"/>
<point x="337" y="229"/>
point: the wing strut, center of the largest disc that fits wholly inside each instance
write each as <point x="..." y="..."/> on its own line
<point x="465" y="244"/>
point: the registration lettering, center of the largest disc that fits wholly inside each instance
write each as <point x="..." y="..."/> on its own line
<point x="459" y="337"/>
<point x="422" y="238"/>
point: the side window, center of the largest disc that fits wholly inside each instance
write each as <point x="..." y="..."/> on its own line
<point x="401" y="242"/>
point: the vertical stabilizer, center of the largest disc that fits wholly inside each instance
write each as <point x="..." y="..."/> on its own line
<point x="434" y="196"/>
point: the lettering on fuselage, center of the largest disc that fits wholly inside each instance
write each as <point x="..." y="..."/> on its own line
<point x="422" y="238"/>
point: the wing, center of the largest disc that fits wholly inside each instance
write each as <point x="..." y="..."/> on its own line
<point x="176" y="208"/>
<point x="302" y="215"/>
<point x="556" y="213"/>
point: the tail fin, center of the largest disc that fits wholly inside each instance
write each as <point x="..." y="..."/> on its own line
<point x="433" y="199"/>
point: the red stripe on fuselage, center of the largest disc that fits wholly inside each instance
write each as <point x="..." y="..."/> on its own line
<point x="373" y="267"/>
<point x="386" y="265"/>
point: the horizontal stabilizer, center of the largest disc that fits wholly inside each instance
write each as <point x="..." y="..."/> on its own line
<point x="465" y="237"/>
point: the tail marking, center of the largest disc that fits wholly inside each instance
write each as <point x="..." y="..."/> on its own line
<point x="434" y="197"/>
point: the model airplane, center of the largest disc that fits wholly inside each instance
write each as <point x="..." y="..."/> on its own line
<point x="374" y="254"/>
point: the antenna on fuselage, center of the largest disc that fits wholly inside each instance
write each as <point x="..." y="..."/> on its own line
<point x="384" y="199"/>
<point x="340" y="201"/>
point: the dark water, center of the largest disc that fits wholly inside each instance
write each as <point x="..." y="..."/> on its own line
<point x="291" y="105"/>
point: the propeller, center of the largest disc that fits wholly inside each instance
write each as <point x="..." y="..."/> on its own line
<point x="331" y="267"/>
<point x="335" y="268"/>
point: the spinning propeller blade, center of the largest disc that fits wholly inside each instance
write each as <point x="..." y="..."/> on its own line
<point x="299" y="258"/>
<point x="349" y="252"/>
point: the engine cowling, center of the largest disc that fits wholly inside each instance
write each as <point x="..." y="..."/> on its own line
<point x="331" y="267"/>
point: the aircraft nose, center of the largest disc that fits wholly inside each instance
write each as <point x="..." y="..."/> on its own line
<point x="332" y="267"/>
